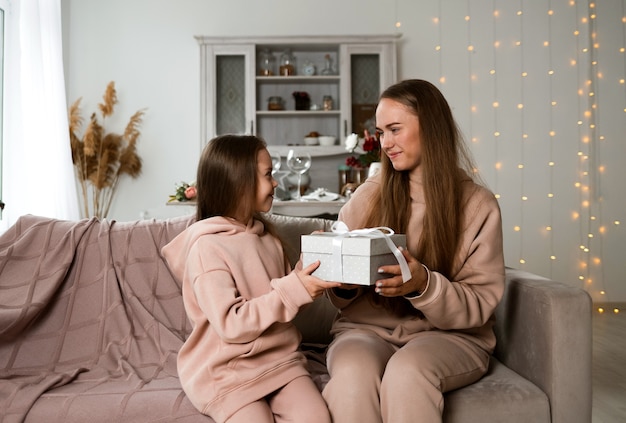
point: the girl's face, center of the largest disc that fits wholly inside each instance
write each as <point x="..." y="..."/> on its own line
<point x="265" y="182"/>
<point x="398" y="129"/>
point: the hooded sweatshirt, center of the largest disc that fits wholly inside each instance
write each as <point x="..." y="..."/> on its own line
<point x="243" y="345"/>
<point x="463" y="304"/>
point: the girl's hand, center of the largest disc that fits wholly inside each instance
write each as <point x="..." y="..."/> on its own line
<point x="394" y="287"/>
<point x="314" y="285"/>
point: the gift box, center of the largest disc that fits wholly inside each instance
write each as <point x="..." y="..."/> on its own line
<point x="351" y="258"/>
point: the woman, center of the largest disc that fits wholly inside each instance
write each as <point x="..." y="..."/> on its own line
<point x="399" y="346"/>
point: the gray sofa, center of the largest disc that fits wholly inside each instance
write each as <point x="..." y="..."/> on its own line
<point x="91" y="321"/>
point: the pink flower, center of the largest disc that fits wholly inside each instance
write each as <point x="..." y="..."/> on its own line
<point x="190" y="193"/>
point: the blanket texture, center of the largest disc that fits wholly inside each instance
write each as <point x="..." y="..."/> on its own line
<point x="90" y="322"/>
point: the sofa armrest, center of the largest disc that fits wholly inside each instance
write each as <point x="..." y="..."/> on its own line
<point x="544" y="333"/>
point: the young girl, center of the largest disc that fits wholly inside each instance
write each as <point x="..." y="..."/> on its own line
<point x="241" y="361"/>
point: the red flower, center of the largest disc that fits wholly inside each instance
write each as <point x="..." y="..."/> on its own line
<point x="371" y="147"/>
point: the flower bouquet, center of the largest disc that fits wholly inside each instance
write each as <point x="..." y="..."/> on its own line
<point x="184" y="192"/>
<point x="370" y="150"/>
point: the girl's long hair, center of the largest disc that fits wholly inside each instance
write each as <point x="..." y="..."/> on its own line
<point x="226" y="179"/>
<point x="446" y="165"/>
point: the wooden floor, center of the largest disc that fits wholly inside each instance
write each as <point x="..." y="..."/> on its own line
<point x="609" y="364"/>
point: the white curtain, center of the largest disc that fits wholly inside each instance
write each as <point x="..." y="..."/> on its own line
<point x="37" y="164"/>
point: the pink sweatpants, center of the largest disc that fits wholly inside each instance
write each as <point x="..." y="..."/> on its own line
<point x="374" y="381"/>
<point x="297" y="402"/>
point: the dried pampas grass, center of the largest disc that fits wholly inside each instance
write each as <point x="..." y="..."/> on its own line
<point x="101" y="158"/>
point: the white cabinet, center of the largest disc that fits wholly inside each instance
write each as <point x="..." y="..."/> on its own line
<point x="236" y="92"/>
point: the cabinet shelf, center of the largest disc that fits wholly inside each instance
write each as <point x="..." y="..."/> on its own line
<point x="313" y="150"/>
<point x="292" y="113"/>
<point x="298" y="79"/>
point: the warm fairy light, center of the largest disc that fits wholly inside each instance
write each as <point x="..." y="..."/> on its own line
<point x="398" y="24"/>
<point x="600" y="310"/>
<point x="616" y="310"/>
<point x="588" y="55"/>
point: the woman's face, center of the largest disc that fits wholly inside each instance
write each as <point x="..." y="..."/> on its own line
<point x="398" y="129"/>
<point x="265" y="182"/>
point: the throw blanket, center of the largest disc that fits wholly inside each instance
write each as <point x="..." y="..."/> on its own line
<point x="90" y="322"/>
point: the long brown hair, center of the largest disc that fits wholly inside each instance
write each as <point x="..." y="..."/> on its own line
<point x="445" y="163"/>
<point x="226" y="179"/>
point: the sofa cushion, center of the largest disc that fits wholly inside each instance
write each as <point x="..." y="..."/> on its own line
<point x="510" y="398"/>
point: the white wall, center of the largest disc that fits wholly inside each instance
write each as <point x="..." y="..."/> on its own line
<point x="550" y="82"/>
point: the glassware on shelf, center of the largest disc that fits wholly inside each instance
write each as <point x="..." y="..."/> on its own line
<point x="266" y="63"/>
<point x="287" y="64"/>
<point x="327" y="103"/>
<point x="275" y="162"/>
<point x="328" y="66"/>
<point x="299" y="163"/>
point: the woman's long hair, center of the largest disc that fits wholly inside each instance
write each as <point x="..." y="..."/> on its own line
<point x="226" y="179"/>
<point x="446" y="165"/>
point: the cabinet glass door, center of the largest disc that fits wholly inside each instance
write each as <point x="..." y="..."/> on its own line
<point x="230" y="107"/>
<point x="370" y="69"/>
<point x="365" y="90"/>
<point x="227" y="90"/>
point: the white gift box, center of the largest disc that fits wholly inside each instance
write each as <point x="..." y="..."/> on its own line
<point x="351" y="257"/>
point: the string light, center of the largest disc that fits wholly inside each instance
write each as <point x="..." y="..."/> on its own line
<point x="586" y="70"/>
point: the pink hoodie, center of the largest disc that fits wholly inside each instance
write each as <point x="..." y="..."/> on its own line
<point x="240" y="303"/>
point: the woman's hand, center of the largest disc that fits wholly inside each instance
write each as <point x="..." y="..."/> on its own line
<point x="314" y="285"/>
<point x="394" y="287"/>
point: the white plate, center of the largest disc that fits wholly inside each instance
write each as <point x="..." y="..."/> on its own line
<point x="320" y="195"/>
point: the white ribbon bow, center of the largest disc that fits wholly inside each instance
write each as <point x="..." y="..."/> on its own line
<point x="340" y="228"/>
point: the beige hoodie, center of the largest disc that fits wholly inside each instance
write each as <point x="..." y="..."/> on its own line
<point x="240" y="303"/>
<point x="463" y="304"/>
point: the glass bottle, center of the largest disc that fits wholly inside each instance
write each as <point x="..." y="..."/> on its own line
<point x="287" y="64"/>
<point x="266" y="63"/>
<point x="328" y="66"/>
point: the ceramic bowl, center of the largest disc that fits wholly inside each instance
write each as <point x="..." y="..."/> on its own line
<point x="311" y="141"/>
<point x="327" y="140"/>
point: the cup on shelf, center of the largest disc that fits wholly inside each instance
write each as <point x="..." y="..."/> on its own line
<point x="327" y="140"/>
<point x="311" y="141"/>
